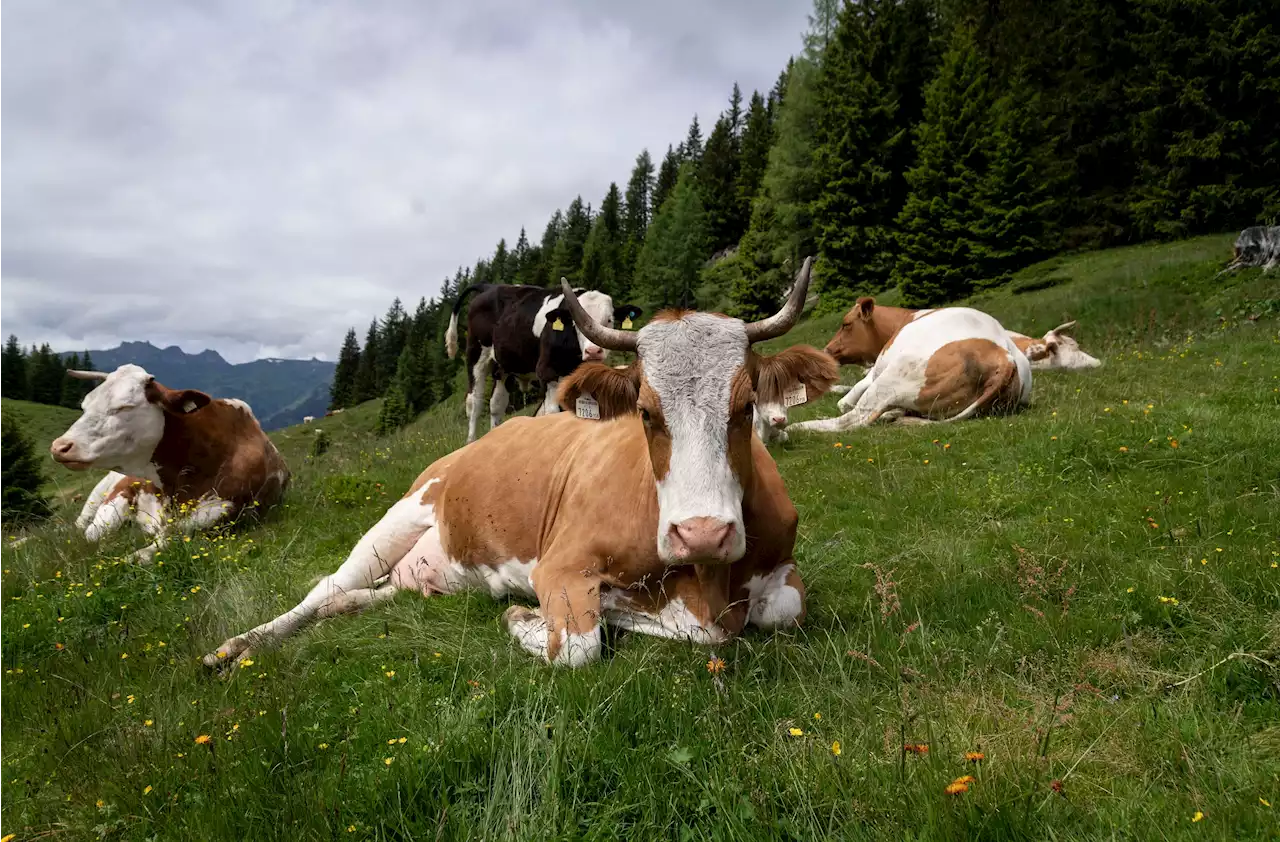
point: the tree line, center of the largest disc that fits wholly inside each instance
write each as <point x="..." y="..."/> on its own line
<point x="39" y="375"/>
<point x="935" y="146"/>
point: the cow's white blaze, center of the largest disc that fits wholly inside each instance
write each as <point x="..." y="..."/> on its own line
<point x="598" y="305"/>
<point x="691" y="363"/>
<point x="118" y="428"/>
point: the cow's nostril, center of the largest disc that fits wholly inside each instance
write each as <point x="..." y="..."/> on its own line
<point x="779" y="420"/>
<point x="62" y="446"/>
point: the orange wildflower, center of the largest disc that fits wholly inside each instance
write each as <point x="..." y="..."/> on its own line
<point x="916" y="748"/>
<point x="715" y="665"/>
<point x="974" y="756"/>
<point x="956" y="788"/>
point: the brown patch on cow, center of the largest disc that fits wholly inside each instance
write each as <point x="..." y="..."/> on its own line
<point x="776" y="374"/>
<point x="129" y="488"/>
<point x="1033" y="349"/>
<point x="616" y="391"/>
<point x="866" y="331"/>
<point x="657" y="436"/>
<point x="215" y="448"/>
<point x="965" y="372"/>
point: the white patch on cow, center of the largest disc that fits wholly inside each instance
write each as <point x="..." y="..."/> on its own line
<point x="598" y="305"/>
<point x="530" y="631"/>
<point x="690" y="363"/>
<point x="244" y="407"/>
<point x="118" y="428"/>
<point x="96" y="498"/>
<point x="772" y="602"/>
<point x="480" y="379"/>
<point x="578" y="650"/>
<point x="509" y="578"/>
<point x="674" y="622"/>
<point x="550" y="403"/>
<point x="498" y="403"/>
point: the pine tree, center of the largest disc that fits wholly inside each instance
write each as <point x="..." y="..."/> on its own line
<point x="823" y="22"/>
<point x="47" y="373"/>
<point x="691" y="149"/>
<point x="13" y="371"/>
<point x="21" y="500"/>
<point x="717" y="177"/>
<point x="342" y="392"/>
<point x="501" y="264"/>
<point x="566" y="260"/>
<point x="857" y="135"/>
<point x="639" y="212"/>
<point x="940" y="255"/>
<point x="72" y="389"/>
<point x="521" y="263"/>
<point x="395" y="411"/>
<point x="392" y="335"/>
<point x="753" y="158"/>
<point x="550" y="239"/>
<point x="673" y="253"/>
<point x="602" y="257"/>
<point x="411" y="380"/>
<point x="666" y="181"/>
<point x="86" y="362"/>
<point x="366" y="384"/>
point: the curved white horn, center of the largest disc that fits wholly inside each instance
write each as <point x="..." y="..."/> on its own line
<point x="782" y="321"/>
<point x="1064" y="328"/>
<point x="86" y="375"/>
<point x="608" y="338"/>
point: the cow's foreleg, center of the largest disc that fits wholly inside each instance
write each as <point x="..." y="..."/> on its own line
<point x="776" y="599"/>
<point x="479" y="376"/>
<point x="498" y="403"/>
<point x="150" y="515"/>
<point x="566" y="629"/>
<point x="354" y="585"/>
<point x="550" y="404"/>
<point x="877" y="397"/>
<point x="855" y="393"/>
<point x="94" y="504"/>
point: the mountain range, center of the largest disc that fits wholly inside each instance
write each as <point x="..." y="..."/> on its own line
<point x="281" y="392"/>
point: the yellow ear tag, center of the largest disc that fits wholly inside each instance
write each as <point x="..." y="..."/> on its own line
<point x="626" y="323"/>
<point x="557" y="325"/>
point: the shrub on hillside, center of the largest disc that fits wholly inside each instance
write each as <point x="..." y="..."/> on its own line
<point x="23" y="502"/>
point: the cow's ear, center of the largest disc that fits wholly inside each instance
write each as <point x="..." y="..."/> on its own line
<point x="798" y="364"/>
<point x="864" y="306"/>
<point x="1041" y="350"/>
<point x="176" y="401"/>
<point x="626" y="312"/>
<point x="615" y="390"/>
<point x="559" y="316"/>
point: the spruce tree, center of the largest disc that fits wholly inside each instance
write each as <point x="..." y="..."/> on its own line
<point x="47" y="374"/>
<point x="691" y="149"/>
<point x="665" y="182"/>
<point x="13" y="371"/>
<point x="395" y="411"/>
<point x="550" y="239"/>
<point x="392" y="335"/>
<point x="521" y="262"/>
<point x="342" y="392"/>
<point x="717" y="177"/>
<point x="21" y="500"/>
<point x="638" y="213"/>
<point x="501" y="263"/>
<point x="602" y="257"/>
<point x="753" y="158"/>
<point x="72" y="389"/>
<point x="673" y="253"/>
<point x="566" y="260"/>
<point x="366" y="384"/>
<point x="857" y="136"/>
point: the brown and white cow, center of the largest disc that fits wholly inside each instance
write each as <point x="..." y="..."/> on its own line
<point x="523" y="333"/>
<point x="1055" y="350"/>
<point x="671" y="521"/>
<point x="205" y="460"/>
<point x="926" y="365"/>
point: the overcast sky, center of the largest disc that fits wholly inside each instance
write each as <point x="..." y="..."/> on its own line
<point x="256" y="177"/>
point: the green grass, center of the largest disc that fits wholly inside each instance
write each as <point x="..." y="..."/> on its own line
<point x="1001" y="594"/>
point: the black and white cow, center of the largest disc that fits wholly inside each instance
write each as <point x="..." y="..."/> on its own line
<point x="523" y="333"/>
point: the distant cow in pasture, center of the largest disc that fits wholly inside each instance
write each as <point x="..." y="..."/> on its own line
<point x="174" y="454"/>
<point x="705" y="546"/>
<point x="523" y="333"/>
<point x="307" y="419"/>
<point x="1256" y="246"/>
<point x="926" y="365"/>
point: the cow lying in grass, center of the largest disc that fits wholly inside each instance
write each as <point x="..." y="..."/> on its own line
<point x="926" y="365"/>
<point x="667" y="516"/>
<point x="194" y="459"/>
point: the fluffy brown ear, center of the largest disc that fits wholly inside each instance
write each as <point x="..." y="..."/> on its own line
<point x="1040" y="350"/>
<point x="864" y="306"/>
<point x="176" y="401"/>
<point x="615" y="390"/>
<point x="797" y="364"/>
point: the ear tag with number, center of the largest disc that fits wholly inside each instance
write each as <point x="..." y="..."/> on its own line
<point x="626" y="323"/>
<point x="795" y="395"/>
<point x="189" y="406"/>
<point x="588" y="407"/>
<point x="557" y="325"/>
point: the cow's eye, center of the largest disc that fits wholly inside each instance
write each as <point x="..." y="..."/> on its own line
<point x="645" y="417"/>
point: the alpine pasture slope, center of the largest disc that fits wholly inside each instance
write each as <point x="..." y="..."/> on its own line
<point x="1087" y="593"/>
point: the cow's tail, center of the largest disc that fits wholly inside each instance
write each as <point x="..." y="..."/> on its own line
<point x="995" y="387"/>
<point x="451" y="335"/>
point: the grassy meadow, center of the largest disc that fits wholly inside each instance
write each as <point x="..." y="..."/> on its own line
<point x="1087" y="594"/>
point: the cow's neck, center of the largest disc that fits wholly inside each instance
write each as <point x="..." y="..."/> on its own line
<point x="887" y="321"/>
<point x="193" y="448"/>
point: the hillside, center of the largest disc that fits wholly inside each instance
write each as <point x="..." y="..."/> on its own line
<point x="1086" y="593"/>
<point x="281" y="392"/>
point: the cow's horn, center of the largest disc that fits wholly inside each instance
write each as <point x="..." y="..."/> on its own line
<point x="606" y="337"/>
<point x="781" y="322"/>
<point x="86" y="375"/>
<point x="1064" y="328"/>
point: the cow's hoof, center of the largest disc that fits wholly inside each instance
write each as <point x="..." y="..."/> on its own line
<point x="229" y="655"/>
<point x="146" y="555"/>
<point x="519" y="614"/>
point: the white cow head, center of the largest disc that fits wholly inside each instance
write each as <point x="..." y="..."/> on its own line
<point x="694" y="386"/>
<point x="1058" y="350"/>
<point x="122" y="421"/>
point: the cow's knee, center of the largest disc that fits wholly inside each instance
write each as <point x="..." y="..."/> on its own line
<point x="776" y="600"/>
<point x="560" y="647"/>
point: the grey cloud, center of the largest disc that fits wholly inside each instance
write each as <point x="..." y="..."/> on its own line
<point x="257" y="177"/>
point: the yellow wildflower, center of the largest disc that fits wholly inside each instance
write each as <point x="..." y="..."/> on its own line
<point x="203" y="739"/>
<point x="148" y="723"/>
<point x="147" y="791"/>
<point x="388" y="760"/>
<point x="391" y="673"/>
<point x="1198" y="816"/>
<point x="323" y="746"/>
<point x="795" y="732"/>
<point x="835" y="748"/>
